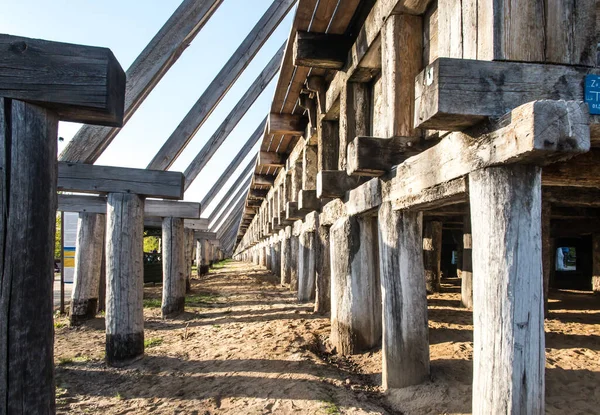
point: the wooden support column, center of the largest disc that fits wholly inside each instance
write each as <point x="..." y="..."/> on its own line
<point x="432" y="255"/>
<point x="323" y="270"/>
<point x="547" y="247"/>
<point x="355" y="286"/>
<point x="405" y="346"/>
<point x="189" y="255"/>
<point x="306" y="266"/>
<point x="355" y="114"/>
<point x="173" y="253"/>
<point x="295" y="249"/>
<point x="466" y="275"/>
<point x="28" y="137"/>
<point x="508" y="341"/>
<point x="88" y="264"/>
<point x="596" y="263"/>
<point x="286" y="256"/>
<point x="124" y="278"/>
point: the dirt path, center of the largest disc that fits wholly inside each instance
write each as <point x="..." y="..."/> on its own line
<point x="244" y="346"/>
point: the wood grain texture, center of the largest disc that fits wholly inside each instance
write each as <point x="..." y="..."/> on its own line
<point x="80" y="83"/>
<point x="405" y="346"/>
<point x="432" y="255"/>
<point x="173" y="262"/>
<point x="328" y="145"/>
<point x="355" y="285"/>
<point x="224" y="80"/>
<point x="88" y="262"/>
<point x="322" y="270"/>
<point x="466" y="275"/>
<point x="28" y="137"/>
<point x="374" y="156"/>
<point x="508" y="336"/>
<point x="355" y="112"/>
<point x="309" y="168"/>
<point x="286" y="124"/>
<point x="89" y="178"/>
<point x="124" y="278"/>
<point x="306" y="266"/>
<point x="335" y="183"/>
<point x="144" y="74"/>
<point x="453" y="94"/>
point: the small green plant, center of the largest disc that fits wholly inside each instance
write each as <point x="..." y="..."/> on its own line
<point x="331" y="408"/>
<point x="60" y="395"/>
<point x="152" y="302"/>
<point x="148" y="343"/>
<point x="59" y="324"/>
<point x="119" y="396"/>
<point x="216" y="327"/>
<point x="200" y="299"/>
<point x="65" y="361"/>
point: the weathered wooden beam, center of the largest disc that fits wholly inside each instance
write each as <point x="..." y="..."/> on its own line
<point x="213" y="94"/>
<point x="264" y="180"/>
<point x="271" y="159"/>
<point x="453" y="94"/>
<point x="286" y="124"/>
<point x="571" y="196"/>
<point x="373" y="156"/>
<point x="364" y="198"/>
<point x="580" y="171"/>
<point x="335" y="183"/>
<point x="449" y="193"/>
<point x="89" y="178"/>
<point x="257" y="193"/>
<point x="233" y="118"/>
<point x="92" y="82"/>
<point x="307" y="200"/>
<point x="537" y="132"/>
<point x="81" y="203"/>
<point x="206" y="235"/>
<point x="144" y="74"/>
<point x="321" y="50"/>
<point x="292" y="212"/>
<point x="197" y="224"/>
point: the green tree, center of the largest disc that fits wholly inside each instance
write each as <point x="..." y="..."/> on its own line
<point x="151" y="243"/>
<point x="57" y="241"/>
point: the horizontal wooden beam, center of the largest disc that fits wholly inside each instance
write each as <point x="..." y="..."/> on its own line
<point x="292" y="212"/>
<point x="90" y="178"/>
<point x="286" y="124"/>
<point x="453" y="94"/>
<point x="580" y="171"/>
<point x="81" y="83"/>
<point x="196" y="224"/>
<point x="571" y="196"/>
<point x="205" y="235"/>
<point x="373" y="156"/>
<point x="152" y="208"/>
<point x="263" y="180"/>
<point x="321" y="50"/>
<point x="307" y="199"/>
<point x="448" y="193"/>
<point x="271" y="159"/>
<point x="364" y="198"/>
<point x="257" y="193"/>
<point x="539" y="132"/>
<point x="335" y="183"/>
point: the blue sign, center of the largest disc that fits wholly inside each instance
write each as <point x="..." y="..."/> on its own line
<point x="592" y="93"/>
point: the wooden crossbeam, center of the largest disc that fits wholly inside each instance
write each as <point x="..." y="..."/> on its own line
<point x="286" y="124"/>
<point x="321" y="50"/>
<point x="152" y="208"/>
<point x="364" y="198"/>
<point x="307" y="200"/>
<point x="373" y="156"/>
<point x="571" y="196"/>
<point x="229" y="123"/>
<point x="271" y="159"/>
<point x="144" y="74"/>
<point x="335" y="183"/>
<point x="539" y="132"/>
<point x="205" y="235"/>
<point x="580" y="171"/>
<point x="264" y="180"/>
<point x="257" y="193"/>
<point x="92" y="82"/>
<point x="453" y="94"/>
<point x="89" y="178"/>
<point x="196" y="224"/>
<point x="224" y="80"/>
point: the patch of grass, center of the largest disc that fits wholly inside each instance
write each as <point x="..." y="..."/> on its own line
<point x="331" y="408"/>
<point x="119" y="396"/>
<point x="216" y="327"/>
<point x="60" y="395"/>
<point x="148" y="343"/>
<point x="198" y="300"/>
<point x="152" y="302"/>
<point x="67" y="360"/>
<point x="221" y="264"/>
<point x="58" y="324"/>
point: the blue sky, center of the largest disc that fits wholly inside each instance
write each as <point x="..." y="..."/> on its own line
<point x="126" y="26"/>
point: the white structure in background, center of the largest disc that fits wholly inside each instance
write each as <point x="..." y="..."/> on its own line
<point x="69" y="242"/>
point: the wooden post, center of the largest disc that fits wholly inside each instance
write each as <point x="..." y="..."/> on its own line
<point x="355" y="286"/>
<point x="276" y="258"/>
<point x="306" y="266"/>
<point x="295" y="250"/>
<point x="546" y="251"/>
<point x="432" y="255"/>
<point x="189" y="254"/>
<point x="124" y="278"/>
<point x="323" y="270"/>
<point x="88" y="264"/>
<point x="286" y="256"/>
<point x="28" y="137"/>
<point x="355" y="110"/>
<point x="198" y="255"/>
<point x="508" y="336"/>
<point x="466" y="275"/>
<point x="174" y="275"/>
<point x="405" y="346"/>
<point x="596" y="263"/>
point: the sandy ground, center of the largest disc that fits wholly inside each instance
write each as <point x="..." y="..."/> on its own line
<point x="246" y="346"/>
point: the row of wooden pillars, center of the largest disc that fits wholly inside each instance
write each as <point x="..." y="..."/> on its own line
<point x="373" y="272"/>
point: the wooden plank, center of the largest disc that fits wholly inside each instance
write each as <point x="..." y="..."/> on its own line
<point x="508" y="338"/>
<point x="451" y="192"/>
<point x="335" y="183"/>
<point x="80" y="83"/>
<point x="321" y="50"/>
<point x="432" y="255"/>
<point x="233" y="118"/>
<point x="89" y="178"/>
<point x="213" y="94"/>
<point x="580" y="171"/>
<point x="309" y="168"/>
<point x="81" y="203"/>
<point x="263" y="180"/>
<point x="292" y="212"/>
<point x="328" y="145"/>
<point x="453" y="94"/>
<point x="374" y="156"/>
<point x="538" y="132"/>
<point x="571" y="196"/>
<point x="355" y="112"/>
<point x="205" y="235"/>
<point x="28" y="138"/>
<point x="271" y="159"/>
<point x="144" y="74"/>
<point x="331" y="212"/>
<point x="286" y="124"/>
<point x="364" y="198"/>
<point x="307" y="200"/>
